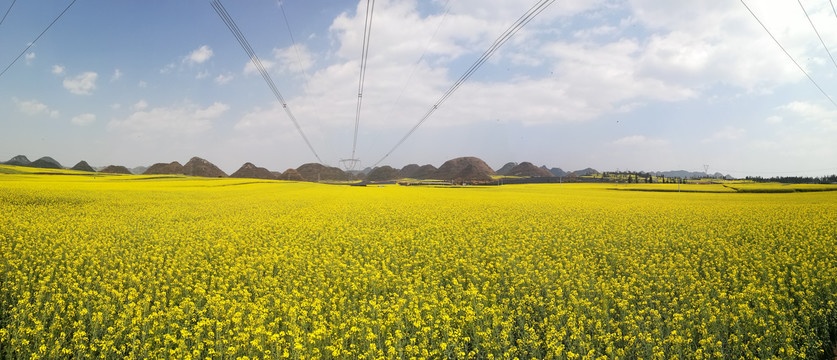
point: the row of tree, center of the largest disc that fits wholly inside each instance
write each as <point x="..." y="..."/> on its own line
<point x="827" y="179"/>
<point x="640" y="177"/>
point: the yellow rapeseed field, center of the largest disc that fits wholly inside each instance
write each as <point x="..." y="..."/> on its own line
<point x="140" y="267"/>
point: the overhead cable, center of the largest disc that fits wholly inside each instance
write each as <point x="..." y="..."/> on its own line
<point x="423" y="53"/>
<point x="364" y="56"/>
<point x="524" y="19"/>
<point x="293" y="43"/>
<point x="788" y="54"/>
<point x="818" y="33"/>
<point x="231" y="25"/>
<point x="833" y="8"/>
<point x="36" y="39"/>
<point x="7" y="12"/>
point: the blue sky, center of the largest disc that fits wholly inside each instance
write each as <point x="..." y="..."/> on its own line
<point x="636" y="85"/>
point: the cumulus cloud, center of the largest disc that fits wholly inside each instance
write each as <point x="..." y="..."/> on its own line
<point x="83" y="119"/>
<point x="622" y="56"/>
<point x="260" y="119"/>
<point x="200" y="55"/>
<point x="269" y="126"/>
<point x="249" y="68"/>
<point x="82" y="84"/>
<point x="30" y="57"/>
<point x="58" y="69"/>
<point x="809" y="110"/>
<point x="294" y="59"/>
<point x="173" y="121"/>
<point x="168" y="68"/>
<point x="117" y="74"/>
<point x="607" y="71"/>
<point x="222" y="79"/>
<point x="823" y="117"/>
<point x="140" y="105"/>
<point x="34" y="108"/>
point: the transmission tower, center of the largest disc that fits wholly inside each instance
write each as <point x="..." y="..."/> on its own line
<point x="350" y="164"/>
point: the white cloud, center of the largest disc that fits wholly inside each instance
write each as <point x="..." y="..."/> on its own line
<point x="729" y="46"/>
<point x="178" y="120"/>
<point x="270" y="126"/>
<point x="588" y="78"/>
<point x="140" y="105"/>
<point x="168" y="68"/>
<point x="117" y="74"/>
<point x="249" y="68"/>
<point x="809" y="110"/>
<point x="728" y="133"/>
<point x="142" y="84"/>
<point x="58" y="69"/>
<point x="213" y="111"/>
<point x="296" y="59"/>
<point x="824" y="118"/>
<point x="259" y="119"/>
<point x="83" y="119"/>
<point x="639" y="141"/>
<point x="34" y="108"/>
<point x="82" y="84"/>
<point x="200" y="55"/>
<point x="222" y="79"/>
<point x="30" y="57"/>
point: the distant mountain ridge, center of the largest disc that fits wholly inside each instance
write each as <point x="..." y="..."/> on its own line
<point x="19" y="160"/>
<point x="527" y="169"/>
<point x="250" y="171"/>
<point x="585" y="172"/>
<point x="320" y="172"/>
<point x="683" y="174"/>
<point x="172" y="168"/>
<point x="201" y="167"/>
<point x="139" y="170"/>
<point x="418" y="172"/>
<point x="116" y="169"/>
<point x="555" y="171"/>
<point x="465" y="169"/>
<point x="46" y="162"/>
<point x="384" y="173"/>
<point x="82" y="166"/>
<point x="506" y="168"/>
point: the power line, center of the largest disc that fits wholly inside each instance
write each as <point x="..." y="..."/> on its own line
<point x="524" y="19"/>
<point x="423" y="53"/>
<point x="231" y="25"/>
<point x="818" y="33"/>
<point x="833" y="8"/>
<point x="293" y="42"/>
<point x="788" y="54"/>
<point x="7" y="12"/>
<point x="364" y="58"/>
<point x="36" y="39"/>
